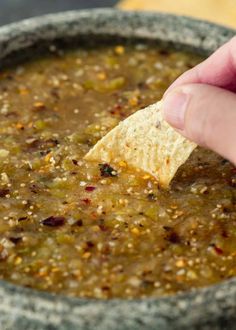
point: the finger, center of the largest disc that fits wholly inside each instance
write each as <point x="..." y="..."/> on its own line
<point x="218" y="70"/>
<point x="204" y="114"/>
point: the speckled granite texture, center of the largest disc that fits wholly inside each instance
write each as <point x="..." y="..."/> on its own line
<point x="26" y="309"/>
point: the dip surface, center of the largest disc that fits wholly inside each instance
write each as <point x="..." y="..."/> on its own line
<point x="90" y="230"/>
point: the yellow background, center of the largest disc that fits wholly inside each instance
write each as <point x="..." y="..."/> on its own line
<point x="219" y="11"/>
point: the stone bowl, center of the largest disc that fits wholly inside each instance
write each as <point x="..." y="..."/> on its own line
<point x="213" y="307"/>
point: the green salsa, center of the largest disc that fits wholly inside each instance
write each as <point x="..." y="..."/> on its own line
<point x="92" y="230"/>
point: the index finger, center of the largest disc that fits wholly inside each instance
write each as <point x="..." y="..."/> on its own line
<point x="218" y="70"/>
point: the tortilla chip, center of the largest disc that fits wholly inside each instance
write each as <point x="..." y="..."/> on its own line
<point x="145" y="141"/>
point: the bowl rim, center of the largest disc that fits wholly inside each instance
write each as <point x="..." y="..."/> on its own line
<point x="55" y="23"/>
<point x="180" y="31"/>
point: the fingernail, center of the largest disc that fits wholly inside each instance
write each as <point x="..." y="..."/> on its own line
<point x="174" y="108"/>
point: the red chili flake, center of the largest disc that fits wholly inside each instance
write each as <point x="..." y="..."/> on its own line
<point x="167" y="228"/>
<point x="34" y="188"/>
<point x="106" y="249"/>
<point x="90" y="244"/>
<point x="94" y="215"/>
<point x="79" y="223"/>
<point x="4" y="192"/>
<point x="117" y="106"/>
<point x="164" y="52"/>
<point x="106" y="288"/>
<point x="173" y="237"/>
<point x="54" y="221"/>
<point x="101" y="225"/>
<point x="116" y="109"/>
<point x="234" y="170"/>
<point x="106" y="170"/>
<point x="90" y="188"/>
<point x="86" y="201"/>
<point x="217" y="249"/>
<point x="141" y="85"/>
<point x="224" y="234"/>
<point x="15" y="240"/>
<point x="232" y="181"/>
<point x="22" y="218"/>
<point x="75" y="162"/>
<point x="151" y="197"/>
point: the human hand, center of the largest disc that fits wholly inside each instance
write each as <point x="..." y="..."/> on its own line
<point x="201" y="103"/>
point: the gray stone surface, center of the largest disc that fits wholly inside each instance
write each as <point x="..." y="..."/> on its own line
<point x="21" y="308"/>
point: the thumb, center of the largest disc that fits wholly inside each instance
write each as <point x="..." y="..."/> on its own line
<point x="205" y="115"/>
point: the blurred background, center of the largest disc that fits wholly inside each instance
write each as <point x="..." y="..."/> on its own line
<point x="220" y="11"/>
<point x="14" y="10"/>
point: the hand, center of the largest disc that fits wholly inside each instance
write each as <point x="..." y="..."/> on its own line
<point x="201" y="104"/>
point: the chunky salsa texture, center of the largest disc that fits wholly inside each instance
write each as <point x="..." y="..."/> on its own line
<point x="92" y="230"/>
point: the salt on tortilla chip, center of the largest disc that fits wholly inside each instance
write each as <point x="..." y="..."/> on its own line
<point x="145" y="141"/>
